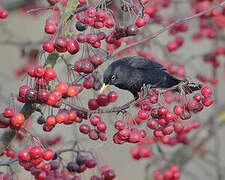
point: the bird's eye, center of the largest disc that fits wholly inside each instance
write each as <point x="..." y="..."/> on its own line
<point x="113" y="78"/>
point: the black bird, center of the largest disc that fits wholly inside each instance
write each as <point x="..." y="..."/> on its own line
<point x="132" y="73"/>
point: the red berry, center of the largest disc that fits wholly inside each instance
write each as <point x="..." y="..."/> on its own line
<point x="81" y="38"/>
<point x="23" y="90"/>
<point x="61" y="87"/>
<point x="101" y="126"/>
<point x="112" y="96"/>
<point x="10" y="153"/>
<point x="170" y="116"/>
<point x="140" y="22"/>
<point x="120" y="125"/>
<point x="101" y="15"/>
<point x="57" y="94"/>
<point x="52" y="20"/>
<point x="102" y="100"/>
<point x="72" y="114"/>
<point x="90" y="21"/>
<point x="143" y="114"/>
<point x="145" y="152"/>
<point x="31" y="72"/>
<point x="177" y="109"/>
<point x="50" y="74"/>
<point x="72" y="46"/>
<point x="48" y="154"/>
<point x="60" y="44"/>
<point x="153" y="99"/>
<point x="61" y="116"/>
<point x="109" y="23"/>
<point x="179" y="40"/>
<point x="89" y="82"/>
<point x="93" y="134"/>
<point x="162" y="111"/>
<point x="48" y="46"/>
<point x="39" y="71"/>
<point x="72" y="91"/>
<point x="207" y="101"/>
<point x="98" y="24"/>
<point x="36" y="152"/>
<point x="24" y="155"/>
<point x="154" y="113"/>
<point x="97" y="60"/>
<point x="117" y="139"/>
<point x="168" y="129"/>
<point x="92" y="104"/>
<point x="95" y="119"/>
<point x="109" y="175"/>
<point x="91" y="163"/>
<point x="8" y="112"/>
<point x="91" y="12"/>
<point x="50" y="28"/>
<point x="17" y="120"/>
<point x="3" y="13"/>
<point x="52" y="99"/>
<point x="206" y="91"/>
<point x="152" y="123"/>
<point x="178" y="126"/>
<point x="158" y="133"/>
<point x="172" y="46"/>
<point x="50" y="120"/>
<point x="84" y="128"/>
<point x="124" y="133"/>
<point x="135" y="136"/>
<point x="146" y="105"/>
<point x="168" y="175"/>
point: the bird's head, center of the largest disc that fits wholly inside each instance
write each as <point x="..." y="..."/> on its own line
<point x="113" y="75"/>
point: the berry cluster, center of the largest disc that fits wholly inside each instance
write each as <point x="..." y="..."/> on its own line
<point x="88" y="64"/>
<point x="102" y="100"/>
<point x="213" y="60"/>
<point x="216" y="17"/>
<point x="127" y="133"/>
<point x="11" y="119"/>
<point x="99" y="130"/>
<point x="175" y="44"/>
<point x="168" y="174"/>
<point x="31" y="158"/>
<point x="143" y="150"/>
<point x="41" y="93"/>
<point x="82" y="163"/>
<point x="165" y="122"/>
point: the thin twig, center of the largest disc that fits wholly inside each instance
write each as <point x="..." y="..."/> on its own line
<point x="39" y="9"/>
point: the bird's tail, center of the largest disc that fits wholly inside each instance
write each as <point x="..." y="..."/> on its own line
<point x="183" y="86"/>
<point x="172" y="81"/>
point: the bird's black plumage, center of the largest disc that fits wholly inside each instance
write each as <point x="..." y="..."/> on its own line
<point x="131" y="73"/>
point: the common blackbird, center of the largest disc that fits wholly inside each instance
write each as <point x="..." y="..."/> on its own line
<point x="132" y="73"/>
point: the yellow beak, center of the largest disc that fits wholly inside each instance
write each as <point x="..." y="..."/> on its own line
<point x="104" y="86"/>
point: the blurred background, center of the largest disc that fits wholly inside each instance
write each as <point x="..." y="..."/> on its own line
<point x="23" y="33"/>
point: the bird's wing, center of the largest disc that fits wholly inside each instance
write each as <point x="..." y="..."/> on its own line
<point x="139" y="62"/>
